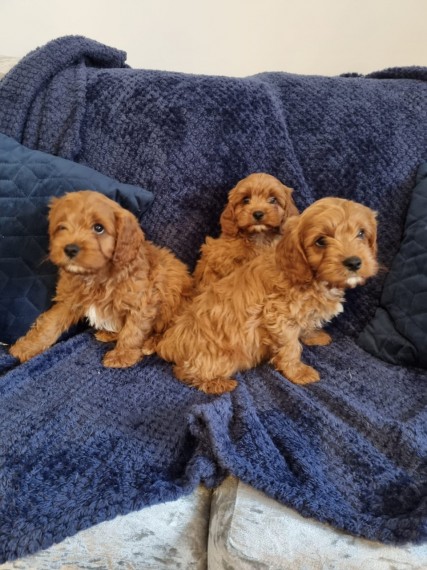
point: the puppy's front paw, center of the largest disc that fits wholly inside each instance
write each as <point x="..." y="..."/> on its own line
<point x="23" y="350"/>
<point x="299" y="373"/>
<point x="117" y="358"/>
<point x="303" y="374"/>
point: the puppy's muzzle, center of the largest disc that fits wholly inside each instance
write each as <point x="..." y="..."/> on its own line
<point x="71" y="250"/>
<point x="352" y="263"/>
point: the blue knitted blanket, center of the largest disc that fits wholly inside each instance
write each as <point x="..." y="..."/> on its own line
<point x="81" y="443"/>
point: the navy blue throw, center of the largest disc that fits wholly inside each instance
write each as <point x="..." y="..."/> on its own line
<point x="81" y="443"/>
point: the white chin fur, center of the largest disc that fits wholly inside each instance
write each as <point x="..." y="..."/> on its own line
<point x="74" y="268"/>
<point x="258" y="228"/>
<point x="354" y="281"/>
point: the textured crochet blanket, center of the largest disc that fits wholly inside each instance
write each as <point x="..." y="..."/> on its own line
<point x="81" y="443"/>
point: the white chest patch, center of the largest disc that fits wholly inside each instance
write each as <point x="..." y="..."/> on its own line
<point x="338" y="309"/>
<point x="336" y="295"/>
<point x="99" y="322"/>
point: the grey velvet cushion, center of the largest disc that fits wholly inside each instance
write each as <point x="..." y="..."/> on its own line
<point x="250" y="531"/>
<point x="161" y="537"/>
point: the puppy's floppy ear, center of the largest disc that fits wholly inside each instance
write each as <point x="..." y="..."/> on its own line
<point x="52" y="202"/>
<point x="52" y="211"/>
<point x="290" y="255"/>
<point x="287" y="203"/>
<point x="129" y="237"/>
<point x="372" y="231"/>
<point x="290" y="208"/>
<point x="228" y="222"/>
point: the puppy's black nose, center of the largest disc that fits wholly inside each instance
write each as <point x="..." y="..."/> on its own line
<point x="353" y="263"/>
<point x="258" y="215"/>
<point x="71" y="250"/>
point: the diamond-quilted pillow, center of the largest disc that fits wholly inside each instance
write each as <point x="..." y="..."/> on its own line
<point x="398" y="331"/>
<point x="28" y="179"/>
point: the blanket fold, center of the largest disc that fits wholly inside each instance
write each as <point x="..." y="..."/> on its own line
<point x="52" y="81"/>
<point x="81" y="443"/>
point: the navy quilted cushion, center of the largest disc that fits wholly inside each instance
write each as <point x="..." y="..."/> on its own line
<point x="398" y="331"/>
<point x="28" y="179"/>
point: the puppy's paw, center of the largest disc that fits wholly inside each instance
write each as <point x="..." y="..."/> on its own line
<point x="106" y="336"/>
<point x="23" y="350"/>
<point x="117" y="358"/>
<point x="303" y="374"/>
<point x="317" y="338"/>
<point x="298" y="373"/>
<point x="217" y="386"/>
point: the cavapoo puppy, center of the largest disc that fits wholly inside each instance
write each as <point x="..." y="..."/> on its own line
<point x="265" y="308"/>
<point x="252" y="220"/>
<point x="126" y="287"/>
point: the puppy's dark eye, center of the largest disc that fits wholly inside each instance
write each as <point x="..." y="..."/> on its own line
<point x="98" y="229"/>
<point x="246" y="200"/>
<point x="361" y="234"/>
<point x="60" y="228"/>
<point x="272" y="200"/>
<point x="320" y="242"/>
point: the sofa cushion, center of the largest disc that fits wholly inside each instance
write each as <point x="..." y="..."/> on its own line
<point x="398" y="331"/>
<point x="248" y="530"/>
<point x="28" y="179"/>
<point x="165" y="536"/>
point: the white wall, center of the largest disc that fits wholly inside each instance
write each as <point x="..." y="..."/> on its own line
<point x="231" y="37"/>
